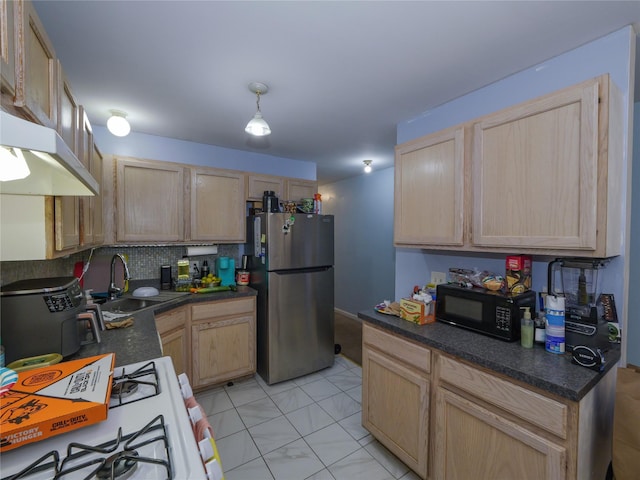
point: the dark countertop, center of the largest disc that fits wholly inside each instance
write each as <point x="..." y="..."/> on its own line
<point x="534" y="366"/>
<point x="140" y="342"/>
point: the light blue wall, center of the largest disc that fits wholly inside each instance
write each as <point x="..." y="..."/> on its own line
<point x="141" y="145"/>
<point x="633" y="325"/>
<point x="610" y="54"/>
<point x="364" y="257"/>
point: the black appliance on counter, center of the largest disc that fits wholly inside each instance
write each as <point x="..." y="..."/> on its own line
<point x="492" y="313"/>
<point x="576" y="279"/>
<point x="45" y="315"/>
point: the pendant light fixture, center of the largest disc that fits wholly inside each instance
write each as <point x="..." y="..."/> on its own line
<point x="118" y="124"/>
<point x="367" y="166"/>
<point x="257" y="125"/>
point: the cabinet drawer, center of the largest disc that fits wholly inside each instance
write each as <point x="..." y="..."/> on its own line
<point x="222" y="308"/>
<point x="525" y="404"/>
<point x="392" y="345"/>
<point x="168" y="321"/>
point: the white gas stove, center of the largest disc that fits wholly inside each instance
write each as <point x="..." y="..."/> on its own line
<point x="147" y="435"/>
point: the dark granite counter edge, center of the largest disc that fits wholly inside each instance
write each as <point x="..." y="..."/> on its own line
<point x="536" y="367"/>
<point x="141" y="342"/>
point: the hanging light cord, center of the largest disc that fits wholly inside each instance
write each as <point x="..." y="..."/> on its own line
<point x="258" y="100"/>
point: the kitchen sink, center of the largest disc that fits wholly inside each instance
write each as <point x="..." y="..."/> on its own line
<point x="129" y="304"/>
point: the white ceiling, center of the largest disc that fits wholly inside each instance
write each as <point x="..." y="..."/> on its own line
<point x="341" y="74"/>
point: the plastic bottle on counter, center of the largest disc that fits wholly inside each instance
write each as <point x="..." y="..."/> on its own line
<point x="204" y="271"/>
<point x="554" y="335"/>
<point x="540" y="326"/>
<point x="526" y="329"/>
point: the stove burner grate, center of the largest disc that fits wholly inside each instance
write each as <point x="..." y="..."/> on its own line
<point x="101" y="462"/>
<point x="129" y="387"/>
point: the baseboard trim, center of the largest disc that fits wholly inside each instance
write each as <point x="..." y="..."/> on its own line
<point x="347" y="314"/>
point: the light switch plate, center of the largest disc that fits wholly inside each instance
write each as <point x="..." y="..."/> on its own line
<point x="438" y="277"/>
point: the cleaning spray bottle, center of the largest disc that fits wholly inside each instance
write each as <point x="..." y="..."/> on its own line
<point x="554" y="338"/>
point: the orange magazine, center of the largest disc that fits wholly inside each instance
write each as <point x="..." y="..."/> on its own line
<point x="55" y="399"/>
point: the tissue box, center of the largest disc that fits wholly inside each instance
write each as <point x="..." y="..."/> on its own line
<point x="51" y="400"/>
<point x="417" y="312"/>
<point x="518" y="273"/>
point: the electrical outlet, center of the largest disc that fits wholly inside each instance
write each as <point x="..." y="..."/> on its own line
<point x="438" y="277"/>
<point x="194" y="268"/>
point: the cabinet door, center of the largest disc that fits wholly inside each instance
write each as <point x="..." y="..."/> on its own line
<point x="395" y="407"/>
<point x="174" y="345"/>
<point x="7" y="46"/>
<point x="85" y="153"/>
<point x="36" y="79"/>
<point x="217" y="205"/>
<point x="535" y="172"/>
<point x="173" y="328"/>
<point x="223" y="349"/>
<point x="149" y="201"/>
<point x="299" y="189"/>
<point x="429" y="190"/>
<point x="257" y="184"/>
<point x="96" y="204"/>
<point x="67" y="209"/>
<point x="474" y="442"/>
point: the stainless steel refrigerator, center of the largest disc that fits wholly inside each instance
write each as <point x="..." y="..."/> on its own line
<point x="291" y="267"/>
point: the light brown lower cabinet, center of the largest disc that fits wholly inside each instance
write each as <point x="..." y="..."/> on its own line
<point x="173" y="327"/>
<point x="223" y="339"/>
<point x="395" y="396"/>
<point x="475" y="442"/>
<point x="449" y="420"/>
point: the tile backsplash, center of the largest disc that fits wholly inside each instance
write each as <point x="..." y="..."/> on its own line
<point x="144" y="262"/>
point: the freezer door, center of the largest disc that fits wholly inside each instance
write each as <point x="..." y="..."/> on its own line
<point x="298" y="240"/>
<point x="299" y="325"/>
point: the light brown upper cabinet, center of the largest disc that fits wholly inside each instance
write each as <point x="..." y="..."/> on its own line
<point x="36" y="79"/>
<point x="541" y="177"/>
<point x="67" y="208"/>
<point x="258" y="184"/>
<point x="7" y="46"/>
<point x="217" y="205"/>
<point x="149" y="201"/>
<point x="297" y="189"/>
<point x="96" y="204"/>
<point x="546" y="173"/>
<point x="92" y="225"/>
<point x="429" y="190"/>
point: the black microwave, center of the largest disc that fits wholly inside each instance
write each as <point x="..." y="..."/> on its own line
<point x="492" y="313"/>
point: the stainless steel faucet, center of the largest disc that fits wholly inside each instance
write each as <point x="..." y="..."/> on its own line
<point x="113" y="290"/>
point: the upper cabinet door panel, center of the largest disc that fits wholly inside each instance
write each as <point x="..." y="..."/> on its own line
<point x="299" y="189"/>
<point x="535" y="173"/>
<point x="36" y="79"/>
<point x="217" y="205"/>
<point x="428" y="169"/>
<point x="258" y="184"/>
<point x="149" y="201"/>
<point x="69" y="121"/>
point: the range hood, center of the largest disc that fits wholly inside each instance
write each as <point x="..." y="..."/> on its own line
<point x="54" y="168"/>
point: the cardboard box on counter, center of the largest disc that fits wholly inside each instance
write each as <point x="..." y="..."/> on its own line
<point x="518" y="273"/>
<point x="416" y="311"/>
<point x="55" y="399"/>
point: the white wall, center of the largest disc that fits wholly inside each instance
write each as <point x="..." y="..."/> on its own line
<point x="611" y="54"/>
<point x="141" y="145"/>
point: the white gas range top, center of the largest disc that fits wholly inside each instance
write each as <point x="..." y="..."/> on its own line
<point x="147" y="435"/>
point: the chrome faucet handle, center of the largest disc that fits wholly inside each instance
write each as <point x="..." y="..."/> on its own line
<point x="113" y="290"/>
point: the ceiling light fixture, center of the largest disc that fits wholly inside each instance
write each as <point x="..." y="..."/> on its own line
<point x="118" y="124"/>
<point x="257" y="125"/>
<point x="367" y="166"/>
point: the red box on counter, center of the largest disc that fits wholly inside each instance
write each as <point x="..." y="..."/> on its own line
<point x="55" y="399"/>
<point x="518" y="273"/>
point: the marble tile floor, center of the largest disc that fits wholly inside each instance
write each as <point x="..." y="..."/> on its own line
<point x="308" y="428"/>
